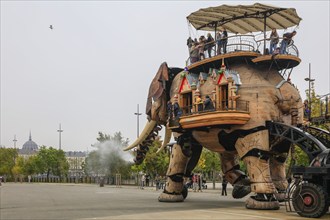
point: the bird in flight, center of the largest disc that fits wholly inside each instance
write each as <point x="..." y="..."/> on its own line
<point x="51" y="27"/>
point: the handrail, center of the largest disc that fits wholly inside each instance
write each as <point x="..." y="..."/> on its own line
<point x="291" y="49"/>
<point x="245" y="43"/>
<point x="234" y="43"/>
<point x="226" y="105"/>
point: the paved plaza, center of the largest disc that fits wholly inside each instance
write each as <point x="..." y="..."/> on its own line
<point x="87" y="202"/>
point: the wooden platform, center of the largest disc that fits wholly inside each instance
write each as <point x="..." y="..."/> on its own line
<point x="214" y="118"/>
<point x="216" y="61"/>
<point x="279" y="61"/>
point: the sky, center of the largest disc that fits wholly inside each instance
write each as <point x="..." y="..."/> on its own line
<point x="95" y="66"/>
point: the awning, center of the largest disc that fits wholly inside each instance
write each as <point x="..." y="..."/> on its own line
<point x="244" y="19"/>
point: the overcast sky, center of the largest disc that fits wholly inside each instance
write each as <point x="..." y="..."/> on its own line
<point x="90" y="72"/>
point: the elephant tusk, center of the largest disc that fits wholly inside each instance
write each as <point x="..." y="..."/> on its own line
<point x="168" y="135"/>
<point x="144" y="134"/>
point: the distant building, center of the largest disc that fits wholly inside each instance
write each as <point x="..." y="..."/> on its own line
<point x="76" y="161"/>
<point x="29" y="148"/>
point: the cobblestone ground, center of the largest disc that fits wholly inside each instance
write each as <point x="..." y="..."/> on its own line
<point x="79" y="201"/>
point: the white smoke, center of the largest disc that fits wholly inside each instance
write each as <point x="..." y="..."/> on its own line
<point x="112" y="148"/>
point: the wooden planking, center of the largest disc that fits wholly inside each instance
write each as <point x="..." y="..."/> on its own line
<point x="226" y="56"/>
<point x="214" y="118"/>
<point x="276" y="57"/>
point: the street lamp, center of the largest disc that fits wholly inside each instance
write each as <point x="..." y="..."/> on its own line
<point x="309" y="79"/>
<point x="15" y="140"/>
<point x="138" y="115"/>
<point x="60" y="131"/>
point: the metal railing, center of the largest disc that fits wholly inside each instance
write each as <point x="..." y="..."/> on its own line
<point x="291" y="49"/>
<point x="228" y="105"/>
<point x="234" y="43"/>
<point x="237" y="43"/>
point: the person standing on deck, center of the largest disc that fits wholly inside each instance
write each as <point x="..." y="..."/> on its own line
<point x="274" y="38"/>
<point x="287" y="38"/>
<point x="224" y="40"/>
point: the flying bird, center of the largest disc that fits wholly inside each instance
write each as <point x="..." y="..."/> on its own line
<point x="51" y="27"/>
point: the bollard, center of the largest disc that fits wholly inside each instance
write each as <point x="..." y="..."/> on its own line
<point x="102" y="182"/>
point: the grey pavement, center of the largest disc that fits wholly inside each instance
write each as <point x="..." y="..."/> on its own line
<point x="88" y="202"/>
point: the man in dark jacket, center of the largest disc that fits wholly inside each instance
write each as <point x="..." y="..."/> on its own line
<point x="208" y="104"/>
<point x="287" y="37"/>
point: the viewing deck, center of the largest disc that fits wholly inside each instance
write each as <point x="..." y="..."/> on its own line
<point x="248" y="48"/>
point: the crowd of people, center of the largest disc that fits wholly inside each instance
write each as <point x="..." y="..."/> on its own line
<point x="174" y="110"/>
<point x="196" y="182"/>
<point x="197" y="48"/>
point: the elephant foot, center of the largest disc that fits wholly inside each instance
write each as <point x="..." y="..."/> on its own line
<point x="164" y="197"/>
<point x="241" y="188"/>
<point x="262" y="202"/>
<point x="280" y="196"/>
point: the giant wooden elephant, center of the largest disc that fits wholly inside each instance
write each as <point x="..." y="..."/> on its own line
<point x="244" y="99"/>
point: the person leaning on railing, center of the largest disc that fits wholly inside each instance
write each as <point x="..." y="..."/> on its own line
<point x="208" y="104"/>
<point x="201" y="46"/>
<point x="287" y="37"/>
<point x="194" y="50"/>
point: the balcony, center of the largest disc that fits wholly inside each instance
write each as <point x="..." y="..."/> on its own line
<point x="225" y="113"/>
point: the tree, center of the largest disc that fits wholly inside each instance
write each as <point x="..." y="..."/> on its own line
<point x="7" y="161"/>
<point x="52" y="161"/>
<point x="154" y="163"/>
<point x="17" y="170"/>
<point x="208" y="162"/>
<point x="93" y="164"/>
<point x="30" y="165"/>
<point x="103" y="137"/>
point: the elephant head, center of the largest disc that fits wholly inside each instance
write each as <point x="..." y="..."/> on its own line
<point x="156" y="101"/>
<point x="156" y="111"/>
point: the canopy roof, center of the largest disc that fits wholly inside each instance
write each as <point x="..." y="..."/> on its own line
<point x="243" y="19"/>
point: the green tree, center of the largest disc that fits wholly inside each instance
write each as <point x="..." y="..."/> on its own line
<point x="30" y="165"/>
<point x="17" y="170"/>
<point x="52" y="161"/>
<point x="154" y="163"/>
<point x="208" y="162"/>
<point x="93" y="164"/>
<point x="103" y="137"/>
<point x="7" y="161"/>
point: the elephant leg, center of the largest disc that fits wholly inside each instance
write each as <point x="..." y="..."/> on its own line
<point x="180" y="155"/>
<point x="277" y="168"/>
<point x="233" y="174"/>
<point x="253" y="148"/>
<point x="196" y="150"/>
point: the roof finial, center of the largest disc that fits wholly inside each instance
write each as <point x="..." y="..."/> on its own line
<point x="30" y="138"/>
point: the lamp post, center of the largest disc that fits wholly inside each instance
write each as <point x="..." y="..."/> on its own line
<point x="138" y="115"/>
<point x="309" y="79"/>
<point x="15" y="140"/>
<point x="60" y="131"/>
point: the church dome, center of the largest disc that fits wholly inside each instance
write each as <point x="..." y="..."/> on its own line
<point x="29" y="146"/>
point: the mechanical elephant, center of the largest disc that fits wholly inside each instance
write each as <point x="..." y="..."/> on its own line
<point x="229" y="129"/>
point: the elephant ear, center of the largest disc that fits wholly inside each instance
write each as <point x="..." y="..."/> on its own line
<point x="157" y="86"/>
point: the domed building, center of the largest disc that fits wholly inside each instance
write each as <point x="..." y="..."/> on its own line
<point x="29" y="147"/>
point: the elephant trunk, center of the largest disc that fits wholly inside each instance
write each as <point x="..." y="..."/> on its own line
<point x="143" y="147"/>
